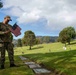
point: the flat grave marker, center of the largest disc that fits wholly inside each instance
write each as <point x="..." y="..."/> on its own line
<point x="41" y="71"/>
<point x="29" y="63"/>
<point x="34" y="66"/>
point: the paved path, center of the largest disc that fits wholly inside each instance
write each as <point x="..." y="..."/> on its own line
<point x="37" y="69"/>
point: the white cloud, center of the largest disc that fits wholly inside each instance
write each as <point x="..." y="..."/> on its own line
<point x="29" y="16"/>
<point x="59" y="13"/>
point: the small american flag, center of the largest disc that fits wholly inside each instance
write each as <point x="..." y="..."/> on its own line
<point x="15" y="30"/>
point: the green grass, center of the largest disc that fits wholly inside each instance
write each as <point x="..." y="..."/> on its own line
<point x="21" y="70"/>
<point x="60" y="61"/>
<point x="52" y="56"/>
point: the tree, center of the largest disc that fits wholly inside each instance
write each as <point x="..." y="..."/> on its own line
<point x="67" y="34"/>
<point x="19" y="43"/>
<point x="29" y="38"/>
<point x="1" y="4"/>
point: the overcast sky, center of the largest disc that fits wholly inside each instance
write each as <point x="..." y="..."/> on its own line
<point x="43" y="17"/>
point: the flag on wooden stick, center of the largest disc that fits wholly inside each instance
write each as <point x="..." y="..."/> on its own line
<point x="15" y="30"/>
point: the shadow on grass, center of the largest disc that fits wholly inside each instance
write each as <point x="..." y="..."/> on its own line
<point x="73" y="43"/>
<point x="63" y="61"/>
<point x="38" y="47"/>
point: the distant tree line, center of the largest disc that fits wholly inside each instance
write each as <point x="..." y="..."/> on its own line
<point x="47" y="39"/>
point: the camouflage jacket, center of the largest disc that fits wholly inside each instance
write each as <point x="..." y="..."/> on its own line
<point x="5" y="37"/>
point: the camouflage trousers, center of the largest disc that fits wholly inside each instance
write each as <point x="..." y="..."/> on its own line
<point x="9" y="47"/>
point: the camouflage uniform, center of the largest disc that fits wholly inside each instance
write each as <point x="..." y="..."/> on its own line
<point x="6" y="44"/>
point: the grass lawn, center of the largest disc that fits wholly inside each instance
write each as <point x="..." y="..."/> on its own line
<point x="51" y="55"/>
<point x="21" y="70"/>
